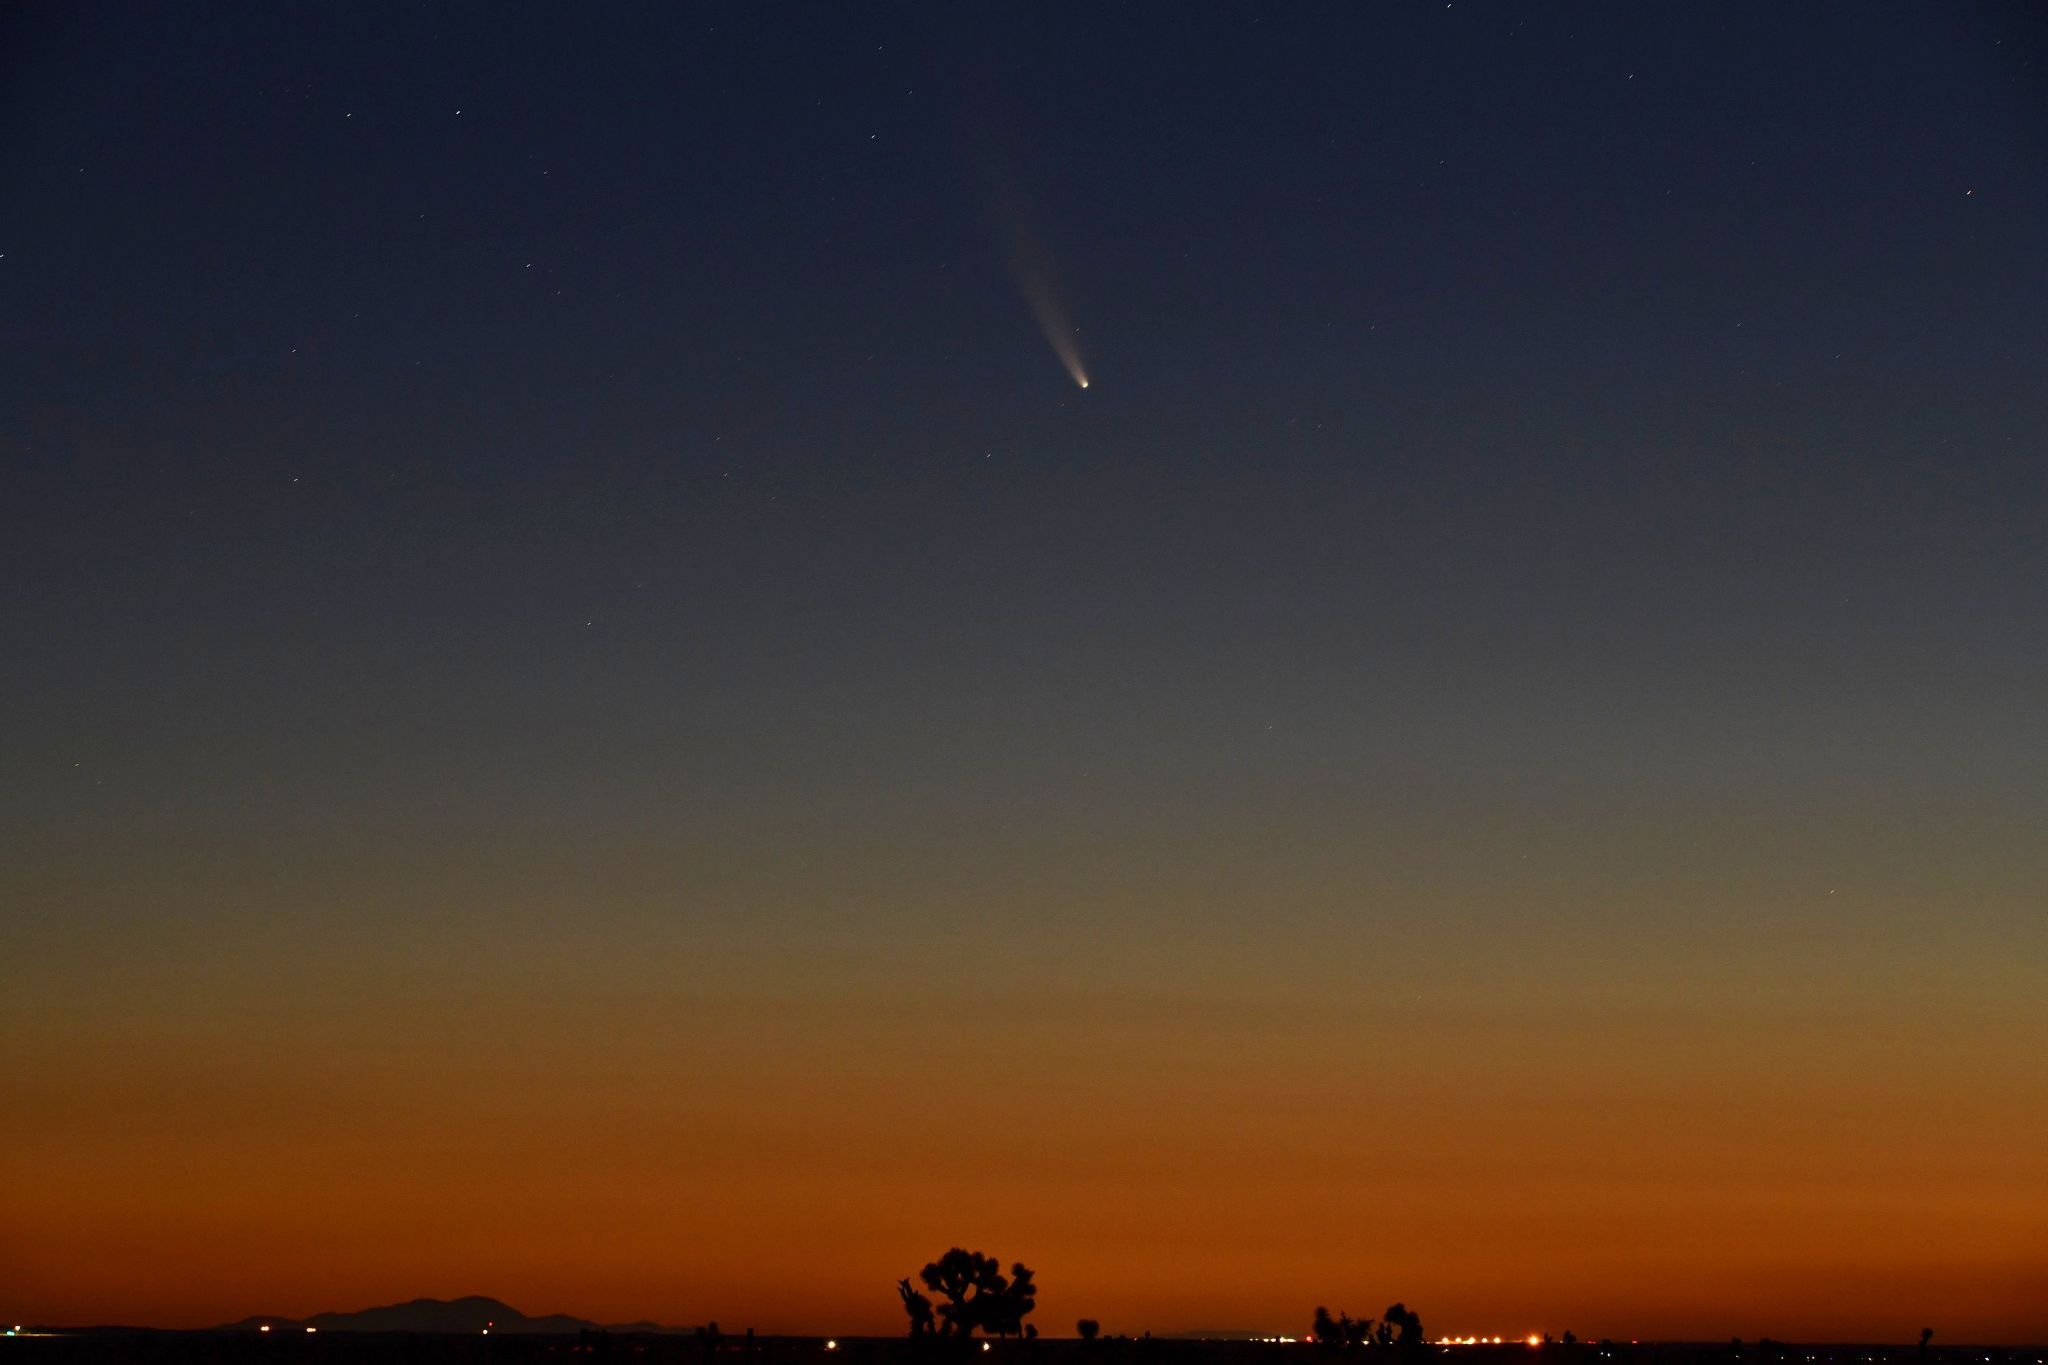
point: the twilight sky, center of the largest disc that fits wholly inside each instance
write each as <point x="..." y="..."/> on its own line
<point x="591" y="715"/>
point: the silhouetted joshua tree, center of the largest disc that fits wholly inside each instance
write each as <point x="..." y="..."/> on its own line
<point x="1410" y="1325"/>
<point x="917" y="1306"/>
<point x="977" y="1294"/>
<point x="1089" y="1329"/>
<point x="1012" y="1303"/>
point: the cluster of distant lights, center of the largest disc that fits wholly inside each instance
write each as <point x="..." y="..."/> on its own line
<point x="1440" y="1341"/>
<point x="1532" y="1341"/>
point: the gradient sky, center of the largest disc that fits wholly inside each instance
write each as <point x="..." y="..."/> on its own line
<point x="587" y="713"/>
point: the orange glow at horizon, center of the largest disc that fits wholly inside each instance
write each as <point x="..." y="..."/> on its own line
<point x="1178" y="1120"/>
<point x="1162" y="1166"/>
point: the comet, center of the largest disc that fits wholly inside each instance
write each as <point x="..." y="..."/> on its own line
<point x="1034" y="281"/>
<point x="1031" y="266"/>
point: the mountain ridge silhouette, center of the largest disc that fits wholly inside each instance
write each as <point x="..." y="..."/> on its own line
<point x="470" y="1314"/>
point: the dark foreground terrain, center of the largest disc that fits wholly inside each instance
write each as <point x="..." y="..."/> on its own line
<point x="109" y="1346"/>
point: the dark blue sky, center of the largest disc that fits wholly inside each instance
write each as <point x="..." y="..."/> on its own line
<point x="1583" y="344"/>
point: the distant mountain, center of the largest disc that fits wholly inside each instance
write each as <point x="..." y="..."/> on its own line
<point x="448" y="1317"/>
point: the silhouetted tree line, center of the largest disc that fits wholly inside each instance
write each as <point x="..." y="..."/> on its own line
<point x="1397" y="1327"/>
<point x="247" y="1347"/>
